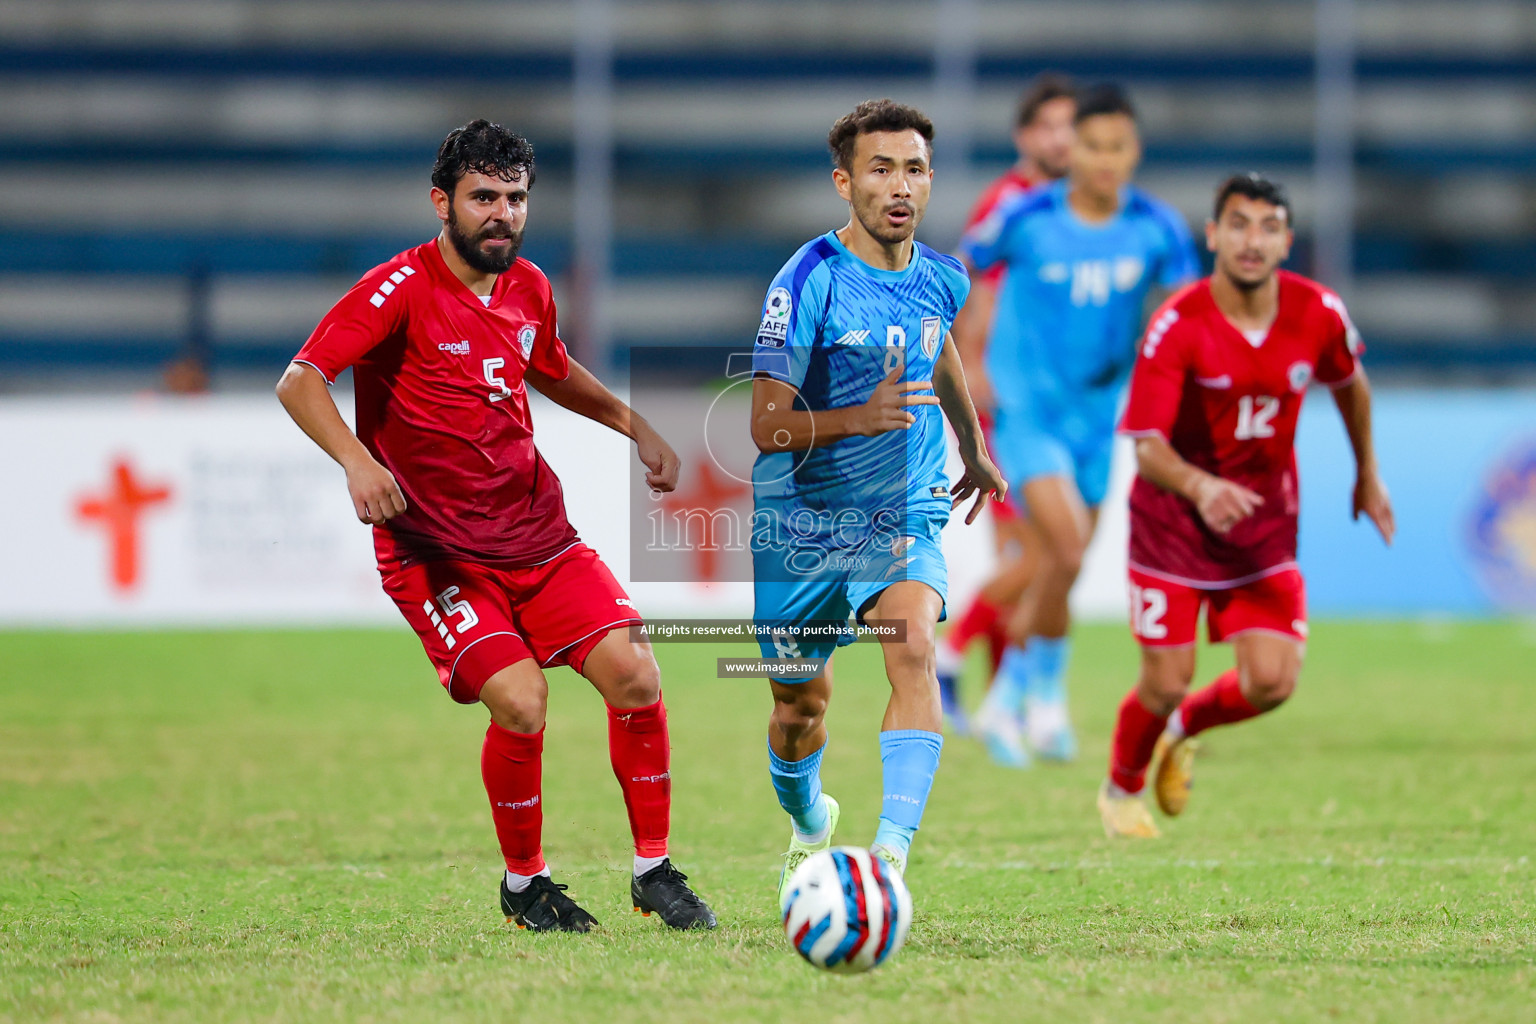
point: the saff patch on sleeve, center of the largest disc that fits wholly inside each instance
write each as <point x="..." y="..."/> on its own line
<point x="773" y="332"/>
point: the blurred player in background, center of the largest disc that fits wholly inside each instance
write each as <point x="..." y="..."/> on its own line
<point x="1082" y="255"/>
<point x="1042" y="136"/>
<point x="1217" y="389"/>
<point x="852" y="366"/>
<point x="470" y="527"/>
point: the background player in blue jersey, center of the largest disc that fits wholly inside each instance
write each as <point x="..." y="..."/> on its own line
<point x="853" y="365"/>
<point x="1081" y="254"/>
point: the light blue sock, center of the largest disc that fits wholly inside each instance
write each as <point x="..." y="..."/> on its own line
<point x="798" y="784"/>
<point x="1012" y="680"/>
<point x="1045" y="669"/>
<point x="908" y="760"/>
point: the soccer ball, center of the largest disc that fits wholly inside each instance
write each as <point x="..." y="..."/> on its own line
<point x="846" y="910"/>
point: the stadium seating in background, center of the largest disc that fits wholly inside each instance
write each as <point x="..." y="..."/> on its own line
<point x="215" y="174"/>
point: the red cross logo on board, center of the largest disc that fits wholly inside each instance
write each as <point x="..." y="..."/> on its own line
<point x="118" y="509"/>
<point x="710" y="493"/>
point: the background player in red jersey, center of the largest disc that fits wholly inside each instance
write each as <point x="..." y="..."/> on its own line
<point x="470" y="528"/>
<point x="1214" y="399"/>
<point x="1042" y="136"/>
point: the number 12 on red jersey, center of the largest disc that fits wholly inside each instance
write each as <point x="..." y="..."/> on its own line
<point x="1254" y="416"/>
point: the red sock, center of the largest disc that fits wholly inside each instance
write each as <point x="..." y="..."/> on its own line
<point x="1136" y="733"/>
<point x="980" y="618"/>
<point x="997" y="643"/>
<point x="1220" y="703"/>
<point x="642" y="756"/>
<point x="511" y="763"/>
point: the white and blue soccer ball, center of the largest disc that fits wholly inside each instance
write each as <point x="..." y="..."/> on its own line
<point x="846" y="910"/>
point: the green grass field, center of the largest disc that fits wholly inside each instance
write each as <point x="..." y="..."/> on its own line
<point x="290" y="826"/>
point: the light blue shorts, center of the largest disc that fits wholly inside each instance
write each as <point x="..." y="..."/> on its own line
<point x="847" y="584"/>
<point x="1028" y="450"/>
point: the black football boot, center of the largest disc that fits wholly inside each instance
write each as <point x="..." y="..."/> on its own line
<point x="663" y="890"/>
<point x="544" y="907"/>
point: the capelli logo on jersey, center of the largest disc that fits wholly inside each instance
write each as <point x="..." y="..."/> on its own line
<point x="454" y="348"/>
<point x="664" y="776"/>
<point x="518" y="805"/>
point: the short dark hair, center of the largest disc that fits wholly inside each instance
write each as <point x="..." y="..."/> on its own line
<point x="1252" y="185"/>
<point x="1047" y="86"/>
<point x="1105" y="98"/>
<point x="875" y="116"/>
<point x="482" y="147"/>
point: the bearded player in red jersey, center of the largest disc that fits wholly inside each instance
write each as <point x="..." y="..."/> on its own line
<point x="1214" y="398"/>
<point x="470" y="529"/>
<point x="1042" y="134"/>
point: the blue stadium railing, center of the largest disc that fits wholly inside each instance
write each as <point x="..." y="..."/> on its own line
<point x="199" y="258"/>
<point x="350" y="255"/>
<point x="402" y="64"/>
<point x="1406" y="158"/>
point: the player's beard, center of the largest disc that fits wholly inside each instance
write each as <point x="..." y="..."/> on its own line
<point x="1249" y="284"/>
<point x="1054" y="171"/>
<point x="871" y="213"/>
<point x="469" y="246"/>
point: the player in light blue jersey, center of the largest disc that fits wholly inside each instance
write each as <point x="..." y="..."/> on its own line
<point x="1082" y="255"/>
<point x="854" y="372"/>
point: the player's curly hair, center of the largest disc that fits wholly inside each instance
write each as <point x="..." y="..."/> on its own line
<point x="875" y="116"/>
<point x="483" y="147"/>
<point x="1252" y="185"/>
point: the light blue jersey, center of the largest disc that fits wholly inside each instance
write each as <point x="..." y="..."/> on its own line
<point x="834" y="525"/>
<point x="1069" y="312"/>
<point x="834" y="326"/>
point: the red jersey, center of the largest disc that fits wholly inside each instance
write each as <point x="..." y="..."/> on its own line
<point x="1228" y="404"/>
<point x="442" y="405"/>
<point x="1010" y="184"/>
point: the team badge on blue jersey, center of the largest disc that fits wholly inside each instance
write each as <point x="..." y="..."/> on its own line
<point x="933" y="330"/>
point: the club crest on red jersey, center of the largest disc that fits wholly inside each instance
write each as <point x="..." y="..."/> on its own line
<point x="1299" y="375"/>
<point x="525" y="338"/>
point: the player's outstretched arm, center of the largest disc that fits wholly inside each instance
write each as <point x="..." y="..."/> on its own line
<point x="981" y="476"/>
<point x="970" y="337"/>
<point x="779" y="426"/>
<point x="583" y="393"/>
<point x="1370" y="496"/>
<point x="375" y="494"/>
<point x="1222" y="504"/>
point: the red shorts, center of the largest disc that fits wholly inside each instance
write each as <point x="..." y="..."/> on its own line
<point x="1165" y="614"/>
<point x="475" y="621"/>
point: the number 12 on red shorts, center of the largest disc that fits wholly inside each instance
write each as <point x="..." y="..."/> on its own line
<point x="1166" y="612"/>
